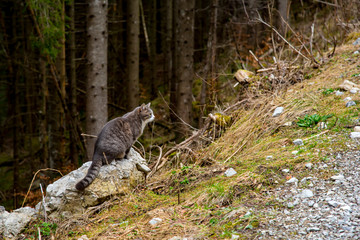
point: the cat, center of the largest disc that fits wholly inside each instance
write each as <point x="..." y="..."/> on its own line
<point x="116" y="139"/>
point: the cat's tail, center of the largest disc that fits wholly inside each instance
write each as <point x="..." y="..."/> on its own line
<point x="90" y="176"/>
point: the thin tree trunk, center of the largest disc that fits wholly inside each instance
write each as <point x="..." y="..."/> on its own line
<point x="153" y="40"/>
<point x="283" y="11"/>
<point x="173" y="79"/>
<point x="44" y="121"/>
<point x="168" y="44"/>
<point x="133" y="52"/>
<point x="185" y="64"/>
<point x="96" y="85"/>
<point x="74" y="153"/>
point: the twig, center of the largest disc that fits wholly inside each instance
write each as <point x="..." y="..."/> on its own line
<point x="39" y="233"/>
<point x="43" y="202"/>
<point x="144" y="27"/>
<point x="272" y="28"/>
<point x="316" y="135"/>
<point x="88" y="135"/>
<point x="32" y="181"/>
<point x="256" y="59"/>
<point x="311" y="38"/>
<point x="157" y="163"/>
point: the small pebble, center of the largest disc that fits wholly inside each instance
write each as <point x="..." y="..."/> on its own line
<point x="298" y="142"/>
<point x="278" y="111"/>
<point x="308" y="165"/>
<point x="230" y="172"/>
<point x="350" y="104"/>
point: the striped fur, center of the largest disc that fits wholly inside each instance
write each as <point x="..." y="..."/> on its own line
<point x="116" y="139"/>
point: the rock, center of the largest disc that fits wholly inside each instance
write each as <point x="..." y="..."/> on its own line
<point x="333" y="203"/>
<point x="346" y="207"/>
<point x="306" y="193"/>
<point x="248" y="214"/>
<point x="311" y="203"/>
<point x="269" y="157"/>
<point x="294" y="152"/>
<point x="234" y="236"/>
<point x="230" y="172"/>
<point x="338" y="156"/>
<point x="11" y="224"/>
<point x="313" y="229"/>
<point x="308" y="165"/>
<point x="356" y="42"/>
<point x="353" y="91"/>
<point x="322" y="125"/>
<point x="288" y="124"/>
<point x="242" y="75"/>
<point x="338" y="177"/>
<point x="285" y="170"/>
<point x="278" y="111"/>
<point x="155" y="221"/>
<point x="354" y="135"/>
<point x="339" y="93"/>
<point x="357" y="129"/>
<point x="348" y="85"/>
<point x="347" y="99"/>
<point x="350" y="104"/>
<point x="119" y="177"/>
<point x="298" y="142"/>
<point x="292" y="180"/>
<point x="83" y="237"/>
<point x="356" y="52"/>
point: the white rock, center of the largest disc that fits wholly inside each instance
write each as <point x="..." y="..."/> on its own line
<point x="119" y="177"/>
<point x="155" y="221"/>
<point x="288" y="124"/>
<point x="269" y="157"/>
<point x="230" y="172"/>
<point x="278" y="111"/>
<point x="298" y="142"/>
<point x="346" y="207"/>
<point x="348" y="85"/>
<point x="306" y="193"/>
<point x="333" y="203"/>
<point x="357" y="129"/>
<point x="234" y="236"/>
<point x="15" y="221"/>
<point x="338" y="177"/>
<point x="285" y="170"/>
<point x="83" y="237"/>
<point x="295" y="152"/>
<point x="308" y="165"/>
<point x="347" y="99"/>
<point x="353" y="91"/>
<point x="350" y="104"/>
<point x="339" y="93"/>
<point x="356" y="52"/>
<point x="354" y="135"/>
<point x="292" y="180"/>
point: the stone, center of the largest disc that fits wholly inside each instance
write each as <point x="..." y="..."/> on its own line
<point x="285" y="170"/>
<point x="311" y="203"/>
<point x="292" y="180"/>
<point x="308" y="165"/>
<point x="269" y="157"/>
<point x="83" y="237"/>
<point x="322" y="125"/>
<point x="348" y="85"/>
<point x="117" y="178"/>
<point x="242" y="75"/>
<point x="356" y="52"/>
<point x="350" y="104"/>
<point x="248" y="214"/>
<point x="278" y="111"/>
<point x="333" y="203"/>
<point x="356" y="42"/>
<point x="338" y="177"/>
<point x="155" y="221"/>
<point x="11" y="224"/>
<point x="295" y="152"/>
<point x="347" y="99"/>
<point x="306" y="193"/>
<point x="288" y="124"/>
<point x="230" y="172"/>
<point x="313" y="229"/>
<point x="357" y="129"/>
<point x="354" y="135"/>
<point x="298" y="142"/>
<point x="353" y="91"/>
<point x="339" y="93"/>
<point x="234" y="236"/>
<point x="346" y="207"/>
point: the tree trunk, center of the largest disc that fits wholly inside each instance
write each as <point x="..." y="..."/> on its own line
<point x="133" y="52"/>
<point x="153" y="80"/>
<point x="96" y="85"/>
<point x="74" y="153"/>
<point x="44" y="138"/>
<point x="168" y="43"/>
<point x="185" y="61"/>
<point x="283" y="19"/>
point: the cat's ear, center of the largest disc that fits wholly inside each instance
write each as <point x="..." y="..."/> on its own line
<point x="148" y="105"/>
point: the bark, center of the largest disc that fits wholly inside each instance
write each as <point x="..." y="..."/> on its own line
<point x="283" y="11"/>
<point x="133" y="52"/>
<point x="96" y="85"/>
<point x="44" y="139"/>
<point x="168" y="43"/>
<point x="185" y="61"/>
<point x="153" y="80"/>
<point x="74" y="153"/>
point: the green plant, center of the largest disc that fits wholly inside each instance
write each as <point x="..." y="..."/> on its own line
<point x="328" y="91"/>
<point x="312" y="120"/>
<point x="46" y="228"/>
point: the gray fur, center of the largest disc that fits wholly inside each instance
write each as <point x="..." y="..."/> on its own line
<point x="116" y="139"/>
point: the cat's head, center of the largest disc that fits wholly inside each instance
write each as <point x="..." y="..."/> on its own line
<point x="146" y="114"/>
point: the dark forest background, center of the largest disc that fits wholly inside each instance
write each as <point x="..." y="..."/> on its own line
<point x="68" y="66"/>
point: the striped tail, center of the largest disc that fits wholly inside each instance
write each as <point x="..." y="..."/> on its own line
<point x="90" y="176"/>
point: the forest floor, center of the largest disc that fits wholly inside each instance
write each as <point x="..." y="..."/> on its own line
<point x="280" y="190"/>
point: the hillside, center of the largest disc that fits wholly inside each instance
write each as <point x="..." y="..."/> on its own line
<point x="198" y="201"/>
